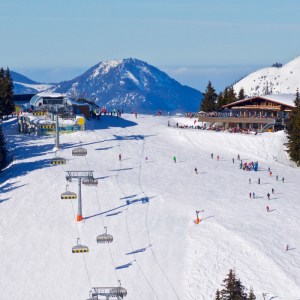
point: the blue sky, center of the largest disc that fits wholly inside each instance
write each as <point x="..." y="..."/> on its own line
<point x="192" y="40"/>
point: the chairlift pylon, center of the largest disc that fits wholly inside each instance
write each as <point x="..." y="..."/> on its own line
<point x="68" y="195"/>
<point x="80" y="248"/>
<point x="105" y="237"/>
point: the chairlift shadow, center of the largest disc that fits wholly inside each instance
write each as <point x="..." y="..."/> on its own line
<point x="124" y="169"/>
<point x="113" y="214"/>
<point x="105" y="212"/>
<point x="143" y="200"/>
<point x="4" y="200"/>
<point x="104" y="148"/>
<point x="127" y="197"/>
<point x="138" y="250"/>
<point x="124" y="266"/>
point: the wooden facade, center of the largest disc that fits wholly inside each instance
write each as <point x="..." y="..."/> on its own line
<point x="257" y="113"/>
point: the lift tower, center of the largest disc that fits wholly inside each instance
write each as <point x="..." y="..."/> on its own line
<point x="79" y="175"/>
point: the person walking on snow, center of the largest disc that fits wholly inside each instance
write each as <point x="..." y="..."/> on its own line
<point x="273" y="191"/>
<point x="253" y="195"/>
<point x="120" y="156"/>
<point x="249" y="180"/>
<point x="218" y="157"/>
<point x="238" y="157"/>
<point x="268" y="195"/>
<point x="258" y="181"/>
<point x="212" y="155"/>
<point x="276" y="177"/>
<point x="287" y="248"/>
<point x="250" y="195"/>
<point x="268" y="208"/>
<point x="233" y="160"/>
<point x="174" y="158"/>
<point x="283" y="179"/>
<point x="196" y="171"/>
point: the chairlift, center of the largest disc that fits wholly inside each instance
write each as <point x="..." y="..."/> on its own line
<point x="68" y="195"/>
<point x="105" y="237"/>
<point x="80" y="151"/>
<point x="58" y="161"/>
<point x="80" y="248"/>
<point x="90" y="181"/>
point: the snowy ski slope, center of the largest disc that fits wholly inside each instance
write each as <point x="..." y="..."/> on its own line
<point x="158" y="251"/>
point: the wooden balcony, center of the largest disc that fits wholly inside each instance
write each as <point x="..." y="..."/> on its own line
<point x="243" y="120"/>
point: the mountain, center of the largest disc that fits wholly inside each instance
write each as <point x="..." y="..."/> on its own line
<point x="132" y="85"/>
<point x="272" y="80"/>
<point x="24" y="85"/>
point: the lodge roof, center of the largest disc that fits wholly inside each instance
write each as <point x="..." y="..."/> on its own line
<point x="281" y="99"/>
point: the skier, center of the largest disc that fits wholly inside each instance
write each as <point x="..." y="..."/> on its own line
<point x="218" y="157"/>
<point x="271" y="173"/>
<point x="268" y="208"/>
<point x="273" y="191"/>
<point x="287" y="248"/>
<point x="282" y="179"/>
<point x="269" y="169"/>
<point x="249" y="180"/>
<point x="258" y="181"/>
<point x="174" y="158"/>
<point x="233" y="160"/>
<point x="212" y="155"/>
<point x="250" y="195"/>
<point x="146" y="158"/>
<point x="135" y="115"/>
<point x="253" y="195"/>
<point x="196" y="171"/>
<point x="238" y="157"/>
<point x="268" y="195"/>
<point x="120" y="156"/>
<point x="277" y="177"/>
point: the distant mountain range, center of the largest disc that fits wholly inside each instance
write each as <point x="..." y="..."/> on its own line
<point x="129" y="84"/>
<point x="273" y="80"/>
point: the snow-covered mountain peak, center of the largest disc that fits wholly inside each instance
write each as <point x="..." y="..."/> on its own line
<point x="272" y="80"/>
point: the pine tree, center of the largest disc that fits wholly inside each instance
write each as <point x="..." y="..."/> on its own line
<point x="209" y="101"/>
<point x="241" y="95"/>
<point x="8" y="93"/>
<point x="293" y="132"/>
<point x="231" y="95"/>
<point x="233" y="288"/>
<point x="218" y="295"/>
<point x="251" y="295"/>
<point x="1" y="93"/>
<point x="220" y="101"/>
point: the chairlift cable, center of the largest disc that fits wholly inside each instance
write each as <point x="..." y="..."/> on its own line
<point x="74" y="216"/>
<point x="128" y="234"/>
<point x="103" y="223"/>
<point x="147" y="227"/>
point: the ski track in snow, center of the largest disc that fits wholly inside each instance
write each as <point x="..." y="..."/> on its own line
<point x="185" y="261"/>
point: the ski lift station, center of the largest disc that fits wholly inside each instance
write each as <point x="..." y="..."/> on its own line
<point x="45" y="107"/>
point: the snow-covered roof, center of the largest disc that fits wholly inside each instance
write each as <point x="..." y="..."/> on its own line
<point x="38" y="96"/>
<point x="285" y="99"/>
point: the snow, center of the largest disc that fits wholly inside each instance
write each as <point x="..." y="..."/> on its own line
<point x="185" y="260"/>
<point x="284" y="80"/>
<point x="39" y="87"/>
<point x="104" y="67"/>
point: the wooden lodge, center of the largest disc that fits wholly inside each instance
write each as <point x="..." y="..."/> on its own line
<point x="260" y="113"/>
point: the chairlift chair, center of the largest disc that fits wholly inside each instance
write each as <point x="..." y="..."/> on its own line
<point x="80" y="248"/>
<point x="58" y="161"/>
<point x="90" y="181"/>
<point x="68" y="195"/>
<point x="105" y="237"/>
<point x="80" y="151"/>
